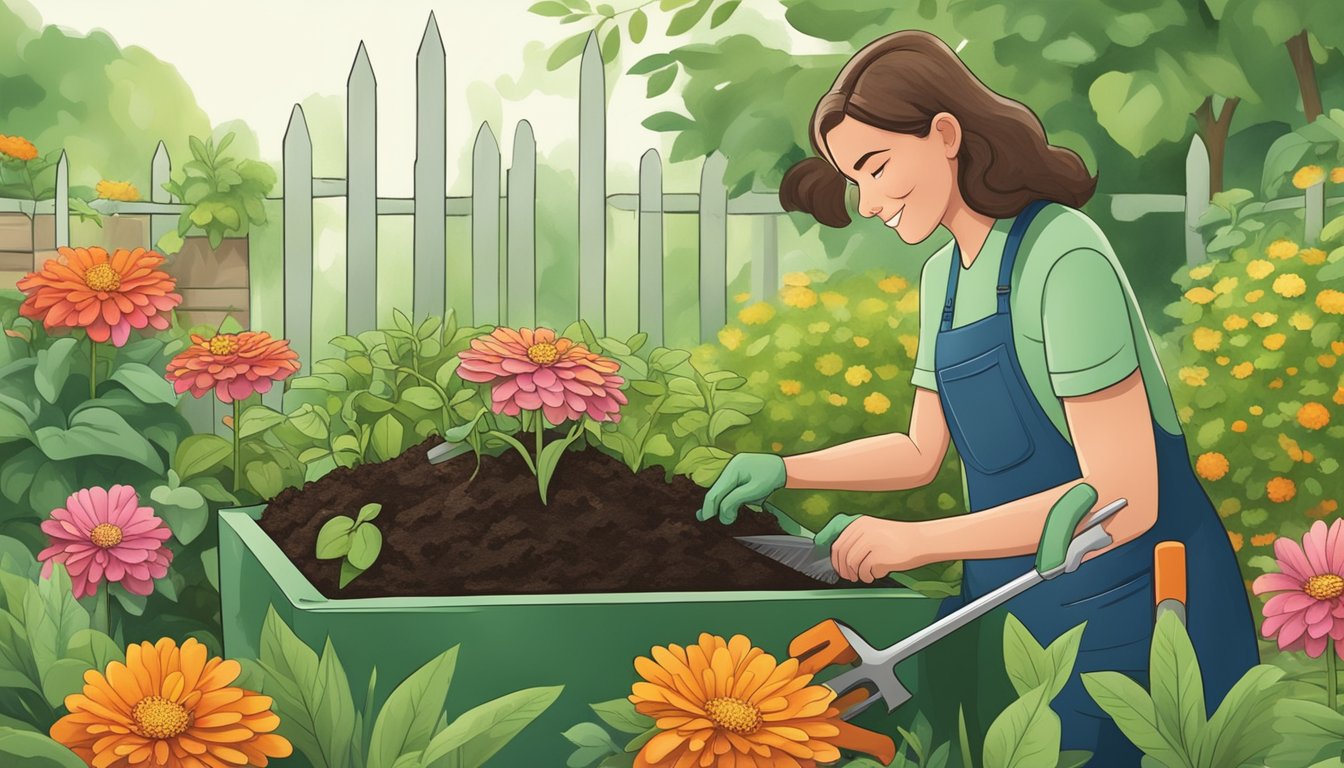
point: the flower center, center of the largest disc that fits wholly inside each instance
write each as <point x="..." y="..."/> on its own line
<point x="224" y="344"/>
<point x="543" y="353"/>
<point x="734" y="715"/>
<point x="102" y="277"/>
<point x="1327" y="586"/>
<point x="159" y="718"/>
<point x="105" y="535"/>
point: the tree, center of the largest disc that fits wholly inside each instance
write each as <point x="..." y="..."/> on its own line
<point x="1308" y="29"/>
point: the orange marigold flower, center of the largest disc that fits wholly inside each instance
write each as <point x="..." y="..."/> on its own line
<point x="116" y="190"/>
<point x="1313" y="415"/>
<point x="1263" y="539"/>
<point x="1307" y="457"/>
<point x="757" y="313"/>
<point x="104" y="295"/>
<point x="776" y="446"/>
<point x="1222" y="359"/>
<point x="17" y="147"/>
<point x="1274" y="341"/>
<point x="1290" y="447"/>
<point x="1324" y="508"/>
<point x="721" y="702"/>
<point x="1308" y="176"/>
<point x="1280" y="489"/>
<point x="1326" y="360"/>
<point x="790" y="386"/>
<point x="1254" y="296"/>
<point x="1337" y="175"/>
<point x="1281" y="249"/>
<point x="1239" y="425"/>
<point x="1242" y="370"/>
<point x="1236" y="539"/>
<point x="1291" y="370"/>
<point x="235" y="366"/>
<point x="1212" y="465"/>
<point x="1276" y="383"/>
<point x="169" y="706"/>
<point x="1331" y="301"/>
<point x="1339" y="396"/>
<point x="1313" y="257"/>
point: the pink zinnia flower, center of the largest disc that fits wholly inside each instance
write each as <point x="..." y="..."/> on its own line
<point x="1308" y="609"/>
<point x="104" y="534"/>
<point x="533" y="369"/>
<point x="235" y="366"/>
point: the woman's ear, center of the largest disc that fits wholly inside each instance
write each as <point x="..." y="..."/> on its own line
<point x="948" y="129"/>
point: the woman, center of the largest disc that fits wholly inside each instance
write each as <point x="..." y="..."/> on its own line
<point x="1033" y="359"/>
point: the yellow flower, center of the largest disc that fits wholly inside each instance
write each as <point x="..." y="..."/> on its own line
<point x="1239" y="426"/>
<point x="1265" y="319"/>
<point x="1290" y="447"/>
<point x="731" y="337"/>
<point x="1259" y="269"/>
<point x="1225" y="285"/>
<point x="116" y="190"/>
<point x="1194" y="376"/>
<point x="756" y="314"/>
<point x="1281" y="249"/>
<point x="1281" y="489"/>
<point x="876" y="403"/>
<point x="741" y="297"/>
<point x="790" y="386"/>
<point x="818" y="327"/>
<point x="17" y="147"/>
<point x="908" y="303"/>
<point x="165" y="704"/>
<point x="871" y="306"/>
<point x="1254" y="296"/>
<point x="1331" y="301"/>
<point x="1201" y="272"/>
<point x="1337" y="175"/>
<point x="836" y="399"/>
<point x="808" y="436"/>
<point x="1222" y="359"/>
<point x="1256" y="410"/>
<point x="1275" y="383"/>
<point x="1339" y="396"/>
<point x="1242" y="370"/>
<point x="829" y="364"/>
<point x="1274" y="341"/>
<point x="1264" y="539"/>
<point x="1185" y="413"/>
<point x="911" y="344"/>
<point x="797" y="278"/>
<point x="1326" y="360"/>
<point x="1200" y="295"/>
<point x="858" y="375"/>
<point x="833" y="300"/>
<point x="776" y="446"/>
<point x="1236" y="539"/>
<point x="1291" y="370"/>
<point x="1325" y="508"/>
<point x="1313" y="415"/>
<point x="887" y="372"/>
<point x="1308" y="176"/>
<point x="1289" y="285"/>
<point x="1301" y="321"/>
<point x="1212" y="465"/>
<point x="798" y="296"/>
<point x="860" y="341"/>
<point x="1207" y="339"/>
<point x="1234" y="322"/>
<point x="892" y="284"/>
<point x="1312" y="257"/>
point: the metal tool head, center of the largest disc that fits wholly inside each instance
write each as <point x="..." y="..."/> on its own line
<point x="445" y="451"/>
<point x="871" y="679"/>
<point x="798" y="552"/>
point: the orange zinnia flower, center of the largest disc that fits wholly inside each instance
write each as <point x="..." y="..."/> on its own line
<point x="169" y="706"/>
<point x="105" y="295"/>
<point x="234" y="365"/>
<point x="727" y="703"/>
<point x="17" y="147"/>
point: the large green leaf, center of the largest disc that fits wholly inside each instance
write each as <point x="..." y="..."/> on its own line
<point x="1130" y="706"/>
<point x="147" y="385"/>
<point x="183" y="508"/>
<point x="1250" y="720"/>
<point x="482" y="731"/>
<point x="1025" y="734"/>
<point x="1177" y="686"/>
<point x="53" y="367"/>
<point x="621" y="715"/>
<point x="303" y="695"/>
<point x="35" y="750"/>
<point x="406" y="721"/>
<point x="1026" y="662"/>
<point x="387" y="437"/>
<point x="98" y="432"/>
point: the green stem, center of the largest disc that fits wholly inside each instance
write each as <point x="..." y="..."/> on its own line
<point x="1331" y="674"/>
<point x="539" y="424"/>
<point x="237" y="446"/>
<point x="102" y="620"/>
<point x="93" y="369"/>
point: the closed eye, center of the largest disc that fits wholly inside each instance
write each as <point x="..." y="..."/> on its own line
<point x="877" y="174"/>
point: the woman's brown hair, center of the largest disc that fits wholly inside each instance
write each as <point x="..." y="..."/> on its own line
<point x="898" y="83"/>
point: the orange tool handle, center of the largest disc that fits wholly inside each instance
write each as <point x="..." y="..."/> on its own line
<point x="1169" y="572"/>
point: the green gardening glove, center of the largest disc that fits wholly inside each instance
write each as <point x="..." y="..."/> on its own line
<point x="746" y="478"/>
<point x="832" y="530"/>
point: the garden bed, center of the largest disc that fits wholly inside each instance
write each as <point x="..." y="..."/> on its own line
<point x="605" y="529"/>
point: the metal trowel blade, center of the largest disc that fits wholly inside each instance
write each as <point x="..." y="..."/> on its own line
<point x="797" y="552"/>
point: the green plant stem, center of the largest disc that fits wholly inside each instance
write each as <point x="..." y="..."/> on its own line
<point x="1331" y="675"/>
<point x="237" y="446"/>
<point x="102" y="616"/>
<point x="93" y="369"/>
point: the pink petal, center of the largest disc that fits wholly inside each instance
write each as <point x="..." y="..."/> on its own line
<point x="516" y="365"/>
<point x="1292" y="560"/>
<point x="527" y="400"/>
<point x="545" y="378"/>
<point x="1274" y="582"/>
<point x="1288" y="602"/>
<point x="1292" y="629"/>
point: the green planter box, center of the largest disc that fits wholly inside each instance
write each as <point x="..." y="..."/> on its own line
<point x="587" y="643"/>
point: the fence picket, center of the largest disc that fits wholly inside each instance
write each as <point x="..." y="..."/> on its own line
<point x="1196" y="199"/>
<point x="485" y="228"/>
<point x="298" y="253"/>
<point x="431" y="173"/>
<point x="1314" y="218"/>
<point x="713" y="247"/>
<point x="160" y="172"/>
<point x="651" y="247"/>
<point x="361" y="201"/>
<point x="521" y="293"/>
<point x="61" y="205"/>
<point x="592" y="187"/>
<point x="765" y="263"/>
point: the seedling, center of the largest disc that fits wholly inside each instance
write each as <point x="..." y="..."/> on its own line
<point x="357" y="542"/>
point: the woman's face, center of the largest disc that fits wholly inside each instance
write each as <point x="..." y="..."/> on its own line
<point x="904" y="180"/>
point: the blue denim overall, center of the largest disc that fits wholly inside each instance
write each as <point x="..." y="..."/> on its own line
<point x="1010" y="449"/>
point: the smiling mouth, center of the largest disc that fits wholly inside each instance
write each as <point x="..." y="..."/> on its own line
<point x="894" y="220"/>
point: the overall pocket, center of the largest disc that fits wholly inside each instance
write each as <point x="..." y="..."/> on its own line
<point x="986" y="422"/>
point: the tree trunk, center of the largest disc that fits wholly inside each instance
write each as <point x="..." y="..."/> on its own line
<point x="1299" y="50"/>
<point x="1214" y="130"/>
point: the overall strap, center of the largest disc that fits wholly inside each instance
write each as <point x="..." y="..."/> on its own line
<point x="1010" y="248"/>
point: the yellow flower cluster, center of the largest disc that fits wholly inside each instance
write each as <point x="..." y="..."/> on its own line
<point x="1234" y="322"/>
<point x="1265" y="319"/>
<point x="17" y="147"/>
<point x="759" y="313"/>
<point x="1225" y="285"/>
<point x="911" y="344"/>
<point x="796" y="279"/>
<point x="833" y="300"/>
<point x="1313" y="257"/>
<point x="1281" y="249"/>
<point x="799" y="296"/>
<point x="1207" y="339"/>
<point x="1200" y="295"/>
<point x="1212" y="465"/>
<point x="123" y="191"/>
<point x="1331" y="301"/>
<point x="892" y="284"/>
<point x="1274" y="341"/>
<point x="876" y="403"/>
<point x="731" y="337"/>
<point x="858" y="375"/>
<point x="1301" y="321"/>
<point x="1308" y="176"/>
<point x="1259" y="269"/>
<point x="790" y="387"/>
<point x="829" y="364"/>
<point x="1289" y="285"/>
<point x="1194" y="375"/>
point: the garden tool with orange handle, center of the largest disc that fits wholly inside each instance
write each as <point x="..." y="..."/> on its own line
<point x="873" y="676"/>
<point x="1169" y="579"/>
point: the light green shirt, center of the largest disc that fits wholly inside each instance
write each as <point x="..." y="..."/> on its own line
<point x="1076" y="323"/>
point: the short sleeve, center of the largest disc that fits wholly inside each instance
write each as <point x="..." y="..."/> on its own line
<point x="1089" y="343"/>
<point x="932" y="292"/>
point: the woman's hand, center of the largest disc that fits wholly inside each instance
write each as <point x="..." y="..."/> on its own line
<point x="871" y="547"/>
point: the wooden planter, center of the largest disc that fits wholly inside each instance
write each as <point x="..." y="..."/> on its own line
<point x="25" y="245"/>
<point x="213" y="281"/>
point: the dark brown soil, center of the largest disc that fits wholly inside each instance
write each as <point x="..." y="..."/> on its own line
<point x="605" y="530"/>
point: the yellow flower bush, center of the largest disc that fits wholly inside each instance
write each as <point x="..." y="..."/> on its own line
<point x="1289" y="285"/>
<point x="1308" y="176"/>
<point x="1259" y="269"/>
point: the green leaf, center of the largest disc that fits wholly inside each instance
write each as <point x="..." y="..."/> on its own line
<point x="1025" y="734"/>
<point x="1073" y="758"/>
<point x="368" y="512"/>
<point x="1177" y="687"/>
<point x="666" y="122"/>
<point x="131" y="603"/>
<point x="567" y="50"/>
<point x="423" y="397"/>
<point x="348" y="573"/>
<point x="183" y="508"/>
<point x="722" y="13"/>
<point x="621" y="715"/>
<point x="306" y="694"/>
<point x="1209" y="433"/>
<point x="550" y="457"/>
<point x="17" y="472"/>
<point x="725" y="419"/>
<point x="1130" y="706"/>
<point x="201" y="453"/>
<point x="147" y="385"/>
<point x="639" y="25"/>
<point x="62" y="678"/>
<point x="387" y="437"/>
<point x="549" y="8"/>
<point x="1332" y="231"/>
<point x="611" y="44"/>
<point x="53" y="368"/>
<point x="333" y="538"/>
<point x="482" y="731"/>
<point x="265" y="477"/>
<point x="311" y="422"/>
<point x="659" y="445"/>
<point x="1251" y="721"/>
<point x="365" y="544"/>
<point x="686" y="18"/>
<point x="963" y="740"/>
<point x="98" y="431"/>
<point x="257" y="419"/>
<point x="1027" y="663"/>
<point x="35" y="750"/>
<point x="407" y="719"/>
<point x="594" y="743"/>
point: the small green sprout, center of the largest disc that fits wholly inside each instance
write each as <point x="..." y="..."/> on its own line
<point x="357" y="541"/>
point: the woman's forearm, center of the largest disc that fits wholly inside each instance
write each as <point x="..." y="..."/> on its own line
<point x="890" y="462"/>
